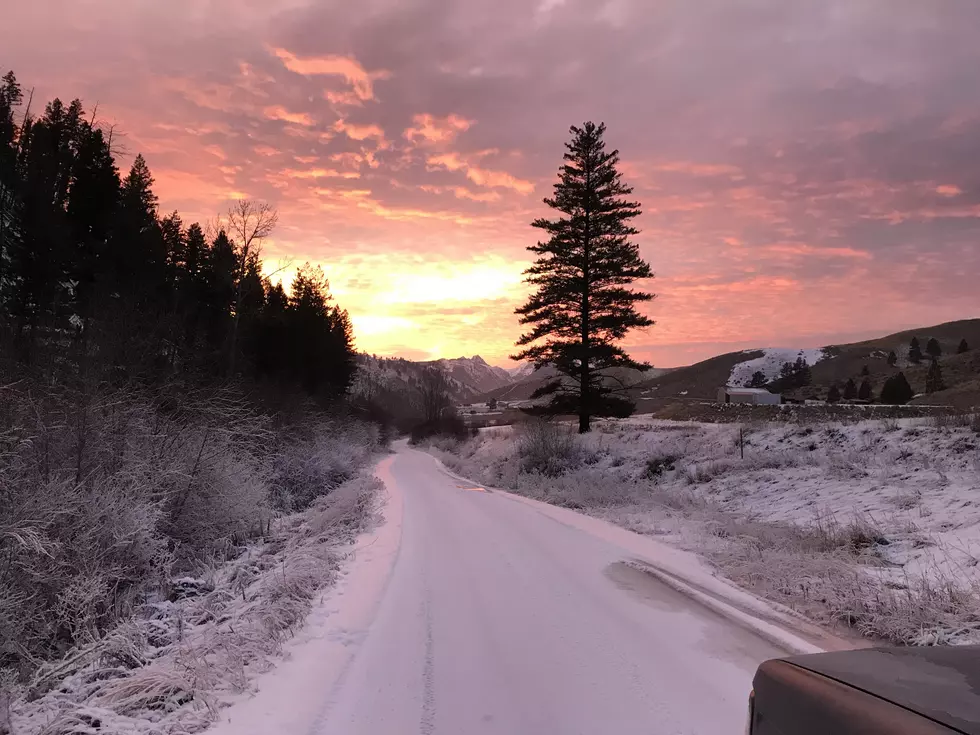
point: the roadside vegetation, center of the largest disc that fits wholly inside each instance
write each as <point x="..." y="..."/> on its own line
<point x="179" y="463"/>
<point x="871" y="525"/>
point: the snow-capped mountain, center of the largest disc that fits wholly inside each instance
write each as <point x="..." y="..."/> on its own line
<point x="473" y="373"/>
<point x="522" y="371"/>
<point x="468" y="377"/>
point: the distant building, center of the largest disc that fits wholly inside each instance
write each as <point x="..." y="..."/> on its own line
<point x="753" y="396"/>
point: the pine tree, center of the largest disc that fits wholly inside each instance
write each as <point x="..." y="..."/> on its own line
<point x="892" y="358"/>
<point x="10" y="99"/>
<point x="583" y="304"/>
<point x="934" y="378"/>
<point x="802" y="369"/>
<point x="865" y="371"/>
<point x="915" y="352"/>
<point x="865" y="393"/>
<point x="963" y="347"/>
<point x="933" y="349"/>
<point x="218" y="297"/>
<point x="758" y="380"/>
<point x="850" y="390"/>
<point x="897" y="390"/>
<point x="833" y="395"/>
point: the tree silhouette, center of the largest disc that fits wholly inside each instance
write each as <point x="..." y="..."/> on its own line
<point x="833" y="395"/>
<point x="963" y="347"/>
<point x="865" y="392"/>
<point x="850" y="390"/>
<point x="93" y="278"/>
<point x="915" y="352"/>
<point x="583" y="306"/>
<point x="892" y="358"/>
<point x="896" y="390"/>
<point x="934" y="378"/>
<point x="933" y="349"/>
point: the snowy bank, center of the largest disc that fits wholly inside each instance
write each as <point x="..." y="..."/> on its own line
<point x="869" y="524"/>
<point x="185" y="656"/>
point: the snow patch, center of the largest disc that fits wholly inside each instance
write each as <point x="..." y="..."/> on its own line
<point x="771" y="363"/>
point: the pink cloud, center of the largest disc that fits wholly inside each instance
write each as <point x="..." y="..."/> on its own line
<point x="479" y="176"/>
<point x="277" y="112"/>
<point x="343" y="66"/>
<point x="430" y="129"/>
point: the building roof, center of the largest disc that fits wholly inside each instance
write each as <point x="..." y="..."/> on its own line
<point x="748" y="391"/>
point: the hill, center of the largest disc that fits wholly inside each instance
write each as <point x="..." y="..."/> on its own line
<point x="834" y="364"/>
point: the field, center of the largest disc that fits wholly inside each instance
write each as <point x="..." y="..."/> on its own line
<point x="869" y="526"/>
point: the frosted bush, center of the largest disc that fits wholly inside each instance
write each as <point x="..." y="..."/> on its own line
<point x="549" y="449"/>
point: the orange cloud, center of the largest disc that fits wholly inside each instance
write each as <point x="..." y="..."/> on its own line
<point x="265" y="150"/>
<point x="320" y="173"/>
<point x="800" y="248"/>
<point x="360" y="132"/>
<point x="278" y="112"/>
<point x="948" y="190"/>
<point x="431" y="129"/>
<point x="479" y="176"/>
<point x="460" y="192"/>
<point x="343" y="66"/>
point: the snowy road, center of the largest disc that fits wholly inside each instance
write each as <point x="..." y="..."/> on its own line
<point x="498" y="615"/>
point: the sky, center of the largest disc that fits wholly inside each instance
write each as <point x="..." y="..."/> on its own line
<point x="809" y="170"/>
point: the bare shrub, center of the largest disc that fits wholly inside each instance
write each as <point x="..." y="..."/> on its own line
<point x="586" y="489"/>
<point x="657" y="466"/>
<point x="907" y="500"/>
<point x="175" y="661"/>
<point x="104" y="492"/>
<point x="548" y="449"/>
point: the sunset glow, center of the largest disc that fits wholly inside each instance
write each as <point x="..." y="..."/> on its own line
<point x="808" y="172"/>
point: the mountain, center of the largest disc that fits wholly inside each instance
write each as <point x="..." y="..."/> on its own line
<point x="834" y="364"/>
<point x="396" y="380"/>
<point x="522" y="371"/>
<point x="472" y="374"/>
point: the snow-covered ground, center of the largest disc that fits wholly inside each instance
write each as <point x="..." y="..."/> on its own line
<point x="173" y="669"/>
<point x="504" y="615"/>
<point x="771" y="363"/>
<point x="876" y="523"/>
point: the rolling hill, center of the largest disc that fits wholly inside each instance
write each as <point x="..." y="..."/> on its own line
<point x="834" y="364"/>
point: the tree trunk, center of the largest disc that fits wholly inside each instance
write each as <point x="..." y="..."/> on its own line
<point x="585" y="380"/>
<point x="585" y="386"/>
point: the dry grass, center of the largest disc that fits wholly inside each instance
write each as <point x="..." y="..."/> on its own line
<point x="179" y="657"/>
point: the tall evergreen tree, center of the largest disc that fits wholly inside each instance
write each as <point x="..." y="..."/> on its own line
<point x="933" y="348"/>
<point x="865" y="392"/>
<point x="897" y="390"/>
<point x="915" y="351"/>
<point x="11" y="97"/>
<point x="963" y="347"/>
<point x="92" y="208"/>
<point x="865" y="371"/>
<point x="583" y="305"/>
<point x="850" y="390"/>
<point x="833" y="395"/>
<point x="892" y="358"/>
<point x="218" y="298"/>
<point x="39" y="259"/>
<point x="934" y="378"/>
